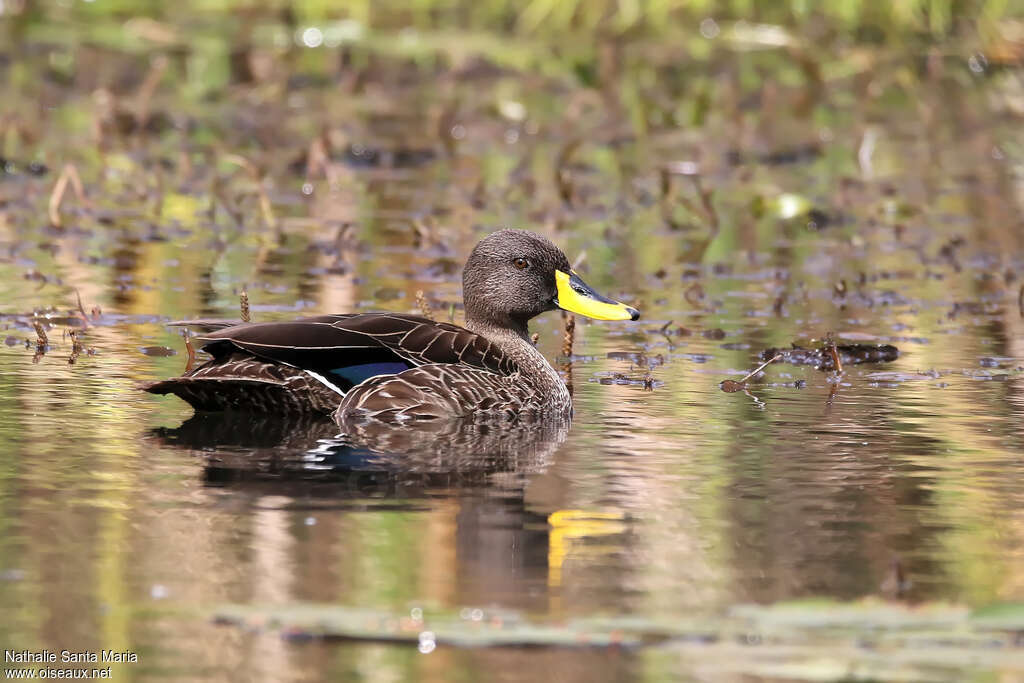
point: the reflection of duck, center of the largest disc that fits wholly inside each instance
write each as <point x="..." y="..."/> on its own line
<point x="297" y="448"/>
<point x="391" y="366"/>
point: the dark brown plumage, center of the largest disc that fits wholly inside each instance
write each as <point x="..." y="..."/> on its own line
<point x="394" y="366"/>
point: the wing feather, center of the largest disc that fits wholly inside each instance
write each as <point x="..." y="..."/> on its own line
<point x="328" y="342"/>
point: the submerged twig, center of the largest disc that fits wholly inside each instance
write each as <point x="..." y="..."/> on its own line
<point x="761" y="367"/>
<point x="833" y="391"/>
<point x="830" y="344"/>
<point x="76" y="346"/>
<point x="1020" y="301"/>
<point x="731" y="385"/>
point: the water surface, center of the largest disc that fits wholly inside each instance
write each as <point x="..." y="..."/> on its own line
<point x="123" y="519"/>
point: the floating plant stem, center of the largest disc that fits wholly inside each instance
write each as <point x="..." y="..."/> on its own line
<point x="191" y="350"/>
<point x="41" y="339"/>
<point x="568" y="338"/>
<point x="42" y="342"/>
<point x="570" y="334"/>
<point x="76" y="346"/>
<point x="423" y="304"/>
<point x="243" y="300"/>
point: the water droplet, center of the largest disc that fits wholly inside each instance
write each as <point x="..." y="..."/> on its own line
<point x="312" y="37"/>
<point x="709" y="28"/>
<point x="458" y="131"/>
<point x="416" y="613"/>
<point x="427" y="642"/>
<point x="511" y="109"/>
<point x="307" y="189"/>
<point x="310" y="521"/>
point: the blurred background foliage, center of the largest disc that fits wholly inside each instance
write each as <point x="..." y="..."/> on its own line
<point x="546" y="34"/>
<point x="858" y="20"/>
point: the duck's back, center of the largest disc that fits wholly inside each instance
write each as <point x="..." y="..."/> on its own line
<point x="310" y="365"/>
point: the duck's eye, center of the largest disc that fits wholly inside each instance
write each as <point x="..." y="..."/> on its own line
<point x="521" y="263"/>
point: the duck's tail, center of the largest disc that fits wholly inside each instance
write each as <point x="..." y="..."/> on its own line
<point x="244" y="383"/>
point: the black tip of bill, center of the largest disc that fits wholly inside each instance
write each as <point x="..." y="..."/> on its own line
<point x="577" y="296"/>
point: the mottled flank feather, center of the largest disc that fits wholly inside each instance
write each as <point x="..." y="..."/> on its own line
<point x="436" y="391"/>
<point x="241" y="382"/>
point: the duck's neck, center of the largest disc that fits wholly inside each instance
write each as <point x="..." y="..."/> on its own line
<point x="517" y="346"/>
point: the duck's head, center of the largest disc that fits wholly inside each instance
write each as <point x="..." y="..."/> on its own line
<point x="514" y="275"/>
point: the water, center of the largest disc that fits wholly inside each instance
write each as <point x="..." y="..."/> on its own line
<point x="125" y="521"/>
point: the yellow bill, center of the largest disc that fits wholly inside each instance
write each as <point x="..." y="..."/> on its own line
<point x="577" y="296"/>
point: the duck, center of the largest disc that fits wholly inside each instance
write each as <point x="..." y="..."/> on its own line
<point x="389" y="366"/>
